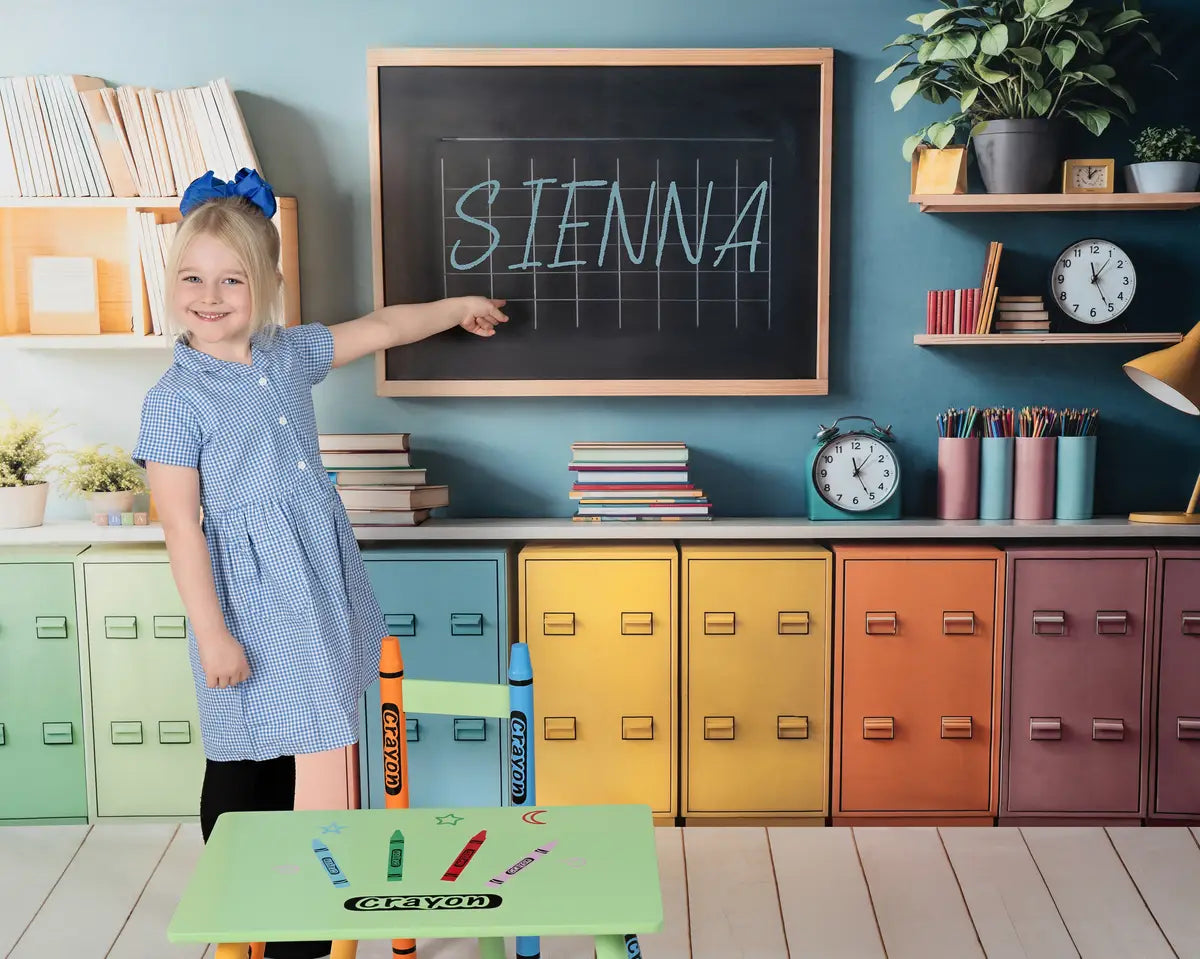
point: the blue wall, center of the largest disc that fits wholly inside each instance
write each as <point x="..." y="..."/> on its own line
<point x="300" y="72"/>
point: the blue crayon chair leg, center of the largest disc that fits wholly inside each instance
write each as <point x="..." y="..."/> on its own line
<point x="521" y="775"/>
<point x="633" y="949"/>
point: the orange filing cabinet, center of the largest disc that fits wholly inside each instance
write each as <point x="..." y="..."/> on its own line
<point x="603" y="638"/>
<point x="755" y="663"/>
<point x="916" y="683"/>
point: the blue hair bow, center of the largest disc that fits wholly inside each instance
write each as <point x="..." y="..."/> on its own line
<point x="246" y="184"/>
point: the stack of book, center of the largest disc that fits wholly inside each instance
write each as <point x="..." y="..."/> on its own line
<point x="634" y="481"/>
<point x="1021" y="314"/>
<point x="378" y="484"/>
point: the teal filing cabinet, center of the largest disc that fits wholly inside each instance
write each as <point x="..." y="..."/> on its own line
<point x="42" y="763"/>
<point x="449" y="608"/>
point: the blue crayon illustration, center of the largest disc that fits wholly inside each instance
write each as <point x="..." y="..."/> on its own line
<point x="326" y="857"/>
<point x="520" y="719"/>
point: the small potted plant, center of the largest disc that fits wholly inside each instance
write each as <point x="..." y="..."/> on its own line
<point x="109" y="480"/>
<point x="23" y="485"/>
<point x="1166" y="161"/>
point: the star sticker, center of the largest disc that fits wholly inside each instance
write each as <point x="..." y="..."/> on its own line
<point x="288" y="869"/>
<point x="333" y="828"/>
<point x="449" y="819"/>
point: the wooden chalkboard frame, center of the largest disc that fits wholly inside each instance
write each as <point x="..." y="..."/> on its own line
<point x="821" y="57"/>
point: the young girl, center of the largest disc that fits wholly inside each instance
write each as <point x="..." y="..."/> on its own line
<point x="284" y="631"/>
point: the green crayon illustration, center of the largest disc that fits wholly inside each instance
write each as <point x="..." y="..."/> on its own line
<point x="396" y="857"/>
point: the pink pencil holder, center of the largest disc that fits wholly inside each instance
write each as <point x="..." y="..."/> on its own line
<point x="958" y="477"/>
<point x="1033" y="480"/>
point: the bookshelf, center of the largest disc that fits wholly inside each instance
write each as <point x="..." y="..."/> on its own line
<point x="106" y="228"/>
<point x="1053" y="202"/>
<point x="1040" y="339"/>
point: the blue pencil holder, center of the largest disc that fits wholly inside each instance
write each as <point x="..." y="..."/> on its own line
<point x="996" y="477"/>
<point x="1075" y="481"/>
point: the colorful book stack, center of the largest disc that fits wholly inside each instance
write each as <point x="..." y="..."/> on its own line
<point x="376" y="480"/>
<point x="952" y="311"/>
<point x="634" y="481"/>
<point x="1021" y="314"/>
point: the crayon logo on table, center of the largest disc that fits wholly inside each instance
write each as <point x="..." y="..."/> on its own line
<point x="422" y="903"/>
<point x="392" y="776"/>
<point x="519" y="730"/>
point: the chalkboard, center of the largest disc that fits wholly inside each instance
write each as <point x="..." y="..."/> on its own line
<point x="657" y="220"/>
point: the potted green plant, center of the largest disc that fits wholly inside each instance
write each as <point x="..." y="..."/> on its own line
<point x="109" y="480"/>
<point x="1016" y="69"/>
<point x="1166" y="161"/>
<point x="24" y="452"/>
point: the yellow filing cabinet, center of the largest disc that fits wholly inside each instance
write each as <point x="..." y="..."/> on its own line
<point x="602" y="633"/>
<point x="756" y="679"/>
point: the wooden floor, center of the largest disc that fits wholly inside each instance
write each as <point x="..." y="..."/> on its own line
<point x="79" y="892"/>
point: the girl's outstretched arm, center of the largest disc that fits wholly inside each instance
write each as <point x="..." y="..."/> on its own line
<point x="410" y="322"/>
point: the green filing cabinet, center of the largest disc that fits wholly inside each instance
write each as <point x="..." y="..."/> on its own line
<point x="145" y="729"/>
<point x="42" y="762"/>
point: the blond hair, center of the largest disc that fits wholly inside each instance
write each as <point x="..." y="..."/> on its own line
<point x="254" y="242"/>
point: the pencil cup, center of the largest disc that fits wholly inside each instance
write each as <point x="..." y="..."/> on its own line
<point x="996" y="477"/>
<point x="958" y="477"/>
<point x="1075" y="477"/>
<point x="1033" y="477"/>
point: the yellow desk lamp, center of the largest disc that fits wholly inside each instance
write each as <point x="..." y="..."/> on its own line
<point x="1173" y="376"/>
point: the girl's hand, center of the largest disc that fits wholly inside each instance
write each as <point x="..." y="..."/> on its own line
<point x="480" y="315"/>
<point x="223" y="660"/>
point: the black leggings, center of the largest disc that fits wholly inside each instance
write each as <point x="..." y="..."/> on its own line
<point x="245" y="785"/>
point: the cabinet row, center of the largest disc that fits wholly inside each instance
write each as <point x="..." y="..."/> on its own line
<point x="867" y="682"/>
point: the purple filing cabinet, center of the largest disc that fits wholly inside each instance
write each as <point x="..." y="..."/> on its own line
<point x="1077" y="683"/>
<point x="1175" y="764"/>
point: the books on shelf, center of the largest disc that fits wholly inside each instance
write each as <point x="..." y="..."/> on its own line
<point x="73" y="135"/>
<point x="634" y="481"/>
<point x="982" y="310"/>
<point x="375" y="480"/>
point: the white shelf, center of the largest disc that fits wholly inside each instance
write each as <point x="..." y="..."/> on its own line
<point x="99" y="341"/>
<point x="517" y="529"/>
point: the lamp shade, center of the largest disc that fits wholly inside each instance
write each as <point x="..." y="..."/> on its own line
<point x="1171" y="375"/>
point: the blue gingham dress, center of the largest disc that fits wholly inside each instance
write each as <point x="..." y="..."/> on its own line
<point x="287" y="569"/>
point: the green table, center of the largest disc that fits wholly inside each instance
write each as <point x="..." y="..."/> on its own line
<point x="259" y="879"/>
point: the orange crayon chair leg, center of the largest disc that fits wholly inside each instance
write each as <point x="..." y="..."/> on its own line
<point x="395" y="748"/>
<point x="344" y="949"/>
<point x="258" y="950"/>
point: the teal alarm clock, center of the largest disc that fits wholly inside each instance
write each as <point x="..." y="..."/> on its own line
<point x="854" y="474"/>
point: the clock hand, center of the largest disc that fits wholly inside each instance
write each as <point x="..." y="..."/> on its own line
<point x="1106" y="262"/>
<point x="1094" y="273"/>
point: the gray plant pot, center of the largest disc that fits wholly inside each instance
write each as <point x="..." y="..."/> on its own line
<point x="1019" y="156"/>
<point x="1165" y="176"/>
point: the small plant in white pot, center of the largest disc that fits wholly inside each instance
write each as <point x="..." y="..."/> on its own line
<point x="109" y="480"/>
<point x="1166" y="161"/>
<point x="24" y="452"/>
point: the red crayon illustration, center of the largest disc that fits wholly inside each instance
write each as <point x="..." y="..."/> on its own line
<point x="460" y="862"/>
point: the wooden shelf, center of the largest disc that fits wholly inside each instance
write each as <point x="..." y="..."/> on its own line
<point x="101" y="341"/>
<point x="1040" y="339"/>
<point x="120" y="202"/>
<point x="1053" y="202"/>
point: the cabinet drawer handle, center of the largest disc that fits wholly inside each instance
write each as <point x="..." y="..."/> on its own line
<point x="51" y="627"/>
<point x="120" y="627"/>
<point x="793" y="623"/>
<point x="1187" y="728"/>
<point x="467" y="730"/>
<point x="881" y="624"/>
<point x="171" y="731"/>
<point x="1045" y="728"/>
<point x="466" y="624"/>
<point x="2" y="739"/>
<point x="1112" y="621"/>
<point x="401" y="624"/>
<point x="1108" y="729"/>
<point x="170" y="627"/>
<point x="957" y="727"/>
<point x="58" y="734"/>
<point x="719" y="624"/>
<point x="412" y="729"/>
<point x="1189" y="622"/>
<point x="1049" y="622"/>
<point x="637" y="727"/>
<point x="558" y="727"/>
<point x="558" y="624"/>
<point x="879" y="727"/>
<point x="791" y="727"/>
<point x="958" y="623"/>
<point x="637" y="624"/>
<point x="125" y="734"/>
<point x="718" y="727"/>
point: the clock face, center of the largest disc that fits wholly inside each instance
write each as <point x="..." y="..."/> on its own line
<point x="856" y="472"/>
<point x="1088" y="177"/>
<point x="1093" y="281"/>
